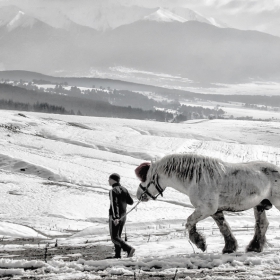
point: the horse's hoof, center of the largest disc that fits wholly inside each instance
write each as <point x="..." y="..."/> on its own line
<point x="257" y="250"/>
<point x="230" y="248"/>
<point x="255" y="246"/>
<point x="227" y="251"/>
<point x="202" y="246"/>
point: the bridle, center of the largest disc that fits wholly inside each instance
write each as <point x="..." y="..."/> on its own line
<point x="154" y="182"/>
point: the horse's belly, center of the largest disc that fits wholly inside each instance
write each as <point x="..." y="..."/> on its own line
<point x="240" y="203"/>
<point x="238" y="207"/>
<point x="234" y="208"/>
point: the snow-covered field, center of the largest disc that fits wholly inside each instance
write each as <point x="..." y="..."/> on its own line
<point x="54" y="186"/>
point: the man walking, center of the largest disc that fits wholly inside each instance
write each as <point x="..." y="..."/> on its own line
<point x="119" y="198"/>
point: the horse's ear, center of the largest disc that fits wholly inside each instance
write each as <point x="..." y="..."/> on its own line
<point x="142" y="170"/>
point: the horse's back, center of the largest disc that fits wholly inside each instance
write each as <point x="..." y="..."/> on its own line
<point x="263" y="167"/>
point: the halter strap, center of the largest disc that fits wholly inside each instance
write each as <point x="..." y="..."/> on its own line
<point x="157" y="186"/>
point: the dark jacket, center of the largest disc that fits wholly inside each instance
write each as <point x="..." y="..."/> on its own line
<point x="119" y="198"/>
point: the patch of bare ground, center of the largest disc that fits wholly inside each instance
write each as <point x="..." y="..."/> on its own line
<point x="33" y="249"/>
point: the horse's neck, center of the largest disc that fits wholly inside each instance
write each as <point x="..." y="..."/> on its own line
<point x="174" y="183"/>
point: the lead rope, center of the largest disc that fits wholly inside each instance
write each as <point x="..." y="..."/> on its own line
<point x="131" y="209"/>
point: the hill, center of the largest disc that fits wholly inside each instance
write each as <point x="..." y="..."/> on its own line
<point x="78" y="105"/>
<point x="172" y="94"/>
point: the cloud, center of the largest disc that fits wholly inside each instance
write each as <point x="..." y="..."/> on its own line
<point x="250" y="6"/>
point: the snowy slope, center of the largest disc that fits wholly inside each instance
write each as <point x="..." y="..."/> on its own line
<point x="73" y="156"/>
<point x="53" y="182"/>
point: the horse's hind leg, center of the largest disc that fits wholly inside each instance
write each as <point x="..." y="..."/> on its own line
<point x="258" y="241"/>
<point x="230" y="241"/>
<point x="195" y="236"/>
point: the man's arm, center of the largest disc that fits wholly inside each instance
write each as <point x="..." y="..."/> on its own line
<point x="115" y="205"/>
<point x="129" y="199"/>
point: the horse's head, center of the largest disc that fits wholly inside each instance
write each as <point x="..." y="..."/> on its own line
<point x="149" y="187"/>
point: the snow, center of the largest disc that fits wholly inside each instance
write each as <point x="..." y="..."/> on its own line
<point x="54" y="171"/>
<point x="16" y="18"/>
<point x="18" y="231"/>
<point x="164" y="15"/>
<point x="21" y="20"/>
<point x="20" y="264"/>
<point x="9" y="272"/>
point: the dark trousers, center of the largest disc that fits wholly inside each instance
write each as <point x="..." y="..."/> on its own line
<point x="116" y="236"/>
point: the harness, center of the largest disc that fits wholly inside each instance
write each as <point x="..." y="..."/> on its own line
<point x="160" y="190"/>
<point x="155" y="182"/>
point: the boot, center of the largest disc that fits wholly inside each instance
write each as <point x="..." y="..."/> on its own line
<point x="130" y="252"/>
<point x="117" y="252"/>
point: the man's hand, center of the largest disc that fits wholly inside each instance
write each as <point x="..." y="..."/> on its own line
<point x="116" y="222"/>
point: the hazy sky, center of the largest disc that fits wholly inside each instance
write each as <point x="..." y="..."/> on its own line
<point x="262" y="15"/>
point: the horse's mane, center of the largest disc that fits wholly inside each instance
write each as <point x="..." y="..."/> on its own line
<point x="142" y="170"/>
<point x="189" y="166"/>
<point x="185" y="167"/>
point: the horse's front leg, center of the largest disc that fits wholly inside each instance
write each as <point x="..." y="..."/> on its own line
<point x="230" y="241"/>
<point x="195" y="237"/>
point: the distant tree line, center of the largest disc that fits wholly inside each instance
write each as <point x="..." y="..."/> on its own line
<point x="45" y="82"/>
<point x="123" y="99"/>
<point x="197" y="112"/>
<point x="104" y="109"/>
<point x="37" y="107"/>
<point x="98" y="109"/>
<point x="261" y="107"/>
<point x="98" y="102"/>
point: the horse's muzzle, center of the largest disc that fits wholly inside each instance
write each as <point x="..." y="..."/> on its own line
<point x="144" y="197"/>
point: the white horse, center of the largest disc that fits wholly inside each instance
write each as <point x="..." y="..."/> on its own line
<point x="214" y="186"/>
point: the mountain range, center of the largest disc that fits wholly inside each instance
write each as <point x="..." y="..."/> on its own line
<point x="177" y="42"/>
<point x="108" y="14"/>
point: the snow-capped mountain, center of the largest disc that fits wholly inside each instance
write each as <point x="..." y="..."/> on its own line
<point x="21" y="20"/>
<point x="58" y="19"/>
<point x="27" y="42"/>
<point x="12" y="18"/>
<point x="103" y="15"/>
<point x="181" y="15"/>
